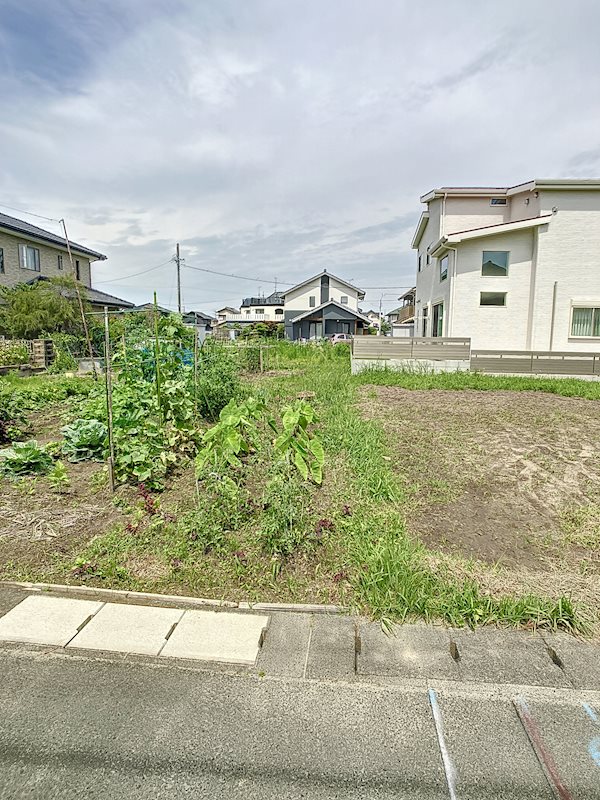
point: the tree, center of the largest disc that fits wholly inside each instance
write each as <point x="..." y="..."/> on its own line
<point x="385" y="328"/>
<point x="46" y="306"/>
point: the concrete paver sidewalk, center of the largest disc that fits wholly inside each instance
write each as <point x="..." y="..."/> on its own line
<point x="135" y="629"/>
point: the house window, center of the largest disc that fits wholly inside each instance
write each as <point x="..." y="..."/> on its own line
<point x="278" y="312"/>
<point x="585" y="322"/>
<point x="77" y="270"/>
<point x="29" y="257"/>
<point x="259" y="311"/>
<point x="344" y="299"/>
<point x="248" y="313"/>
<point x="498" y="201"/>
<point x="425" y="315"/>
<point x="438" y="320"/>
<point x="419" y="262"/>
<point x="443" y="268"/>
<point x="492" y="299"/>
<point x="428" y="260"/>
<point x="59" y="260"/>
<point x="311" y="301"/>
<point x="1" y="261"/>
<point x="494" y="263"/>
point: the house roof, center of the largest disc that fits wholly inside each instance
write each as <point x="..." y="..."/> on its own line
<point x="359" y="292"/>
<point x="312" y="311"/>
<point x="150" y="307"/>
<point x="14" y="225"/>
<point x="572" y="184"/>
<point x="198" y="315"/>
<point x="274" y="299"/>
<point x="488" y="230"/>
<point x="228" y="308"/>
<point x="421" y="225"/>
<point x="93" y="296"/>
<point x="406" y="294"/>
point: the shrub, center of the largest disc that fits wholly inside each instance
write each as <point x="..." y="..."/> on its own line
<point x="218" y="381"/>
<point x="13" y="353"/>
<point x="285" y="521"/>
<point x="85" y="439"/>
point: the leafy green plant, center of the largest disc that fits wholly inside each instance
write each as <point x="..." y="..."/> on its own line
<point x="59" y="478"/>
<point x="24" y="458"/>
<point x="298" y="444"/>
<point x="85" y="439"/>
<point x="231" y="438"/>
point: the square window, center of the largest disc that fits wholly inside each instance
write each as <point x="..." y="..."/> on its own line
<point x="494" y="263"/>
<point x="585" y="322"/>
<point x="259" y="311"/>
<point x="29" y="257"/>
<point x="311" y="301"/>
<point x="344" y="299"/>
<point x="443" y="268"/>
<point x="492" y="299"/>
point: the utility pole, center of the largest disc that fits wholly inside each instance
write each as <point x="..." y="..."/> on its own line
<point x="380" y="317"/>
<point x="178" y="262"/>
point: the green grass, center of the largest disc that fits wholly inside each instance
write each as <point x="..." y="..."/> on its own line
<point x="387" y="569"/>
<point x="457" y="381"/>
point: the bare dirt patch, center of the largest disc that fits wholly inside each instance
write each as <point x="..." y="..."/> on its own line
<point x="506" y="478"/>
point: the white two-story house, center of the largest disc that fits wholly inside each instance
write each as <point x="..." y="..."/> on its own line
<point x="322" y="306"/>
<point x="512" y="268"/>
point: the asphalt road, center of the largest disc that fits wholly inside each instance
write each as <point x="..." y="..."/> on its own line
<point x="74" y="726"/>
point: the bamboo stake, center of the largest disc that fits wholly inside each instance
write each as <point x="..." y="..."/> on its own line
<point x="156" y="359"/>
<point x="109" y="408"/>
<point x="80" y="302"/>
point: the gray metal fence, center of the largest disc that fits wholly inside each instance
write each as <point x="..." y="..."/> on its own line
<point x="388" y="348"/>
<point x="535" y="362"/>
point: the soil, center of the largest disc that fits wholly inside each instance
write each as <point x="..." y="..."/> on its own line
<point x="496" y="476"/>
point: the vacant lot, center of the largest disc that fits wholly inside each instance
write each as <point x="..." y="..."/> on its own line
<point x="508" y="479"/>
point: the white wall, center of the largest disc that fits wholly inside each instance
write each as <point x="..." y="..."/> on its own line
<point x="268" y="312"/>
<point x="493" y="327"/>
<point x="465" y="213"/>
<point x="568" y="253"/>
<point x="299" y="300"/>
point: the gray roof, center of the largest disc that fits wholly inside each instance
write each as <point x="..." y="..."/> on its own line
<point x="274" y="299"/>
<point x="94" y="296"/>
<point x="19" y="226"/>
<point x="312" y="311"/>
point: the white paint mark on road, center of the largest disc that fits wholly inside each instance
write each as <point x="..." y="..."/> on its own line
<point x="439" y="729"/>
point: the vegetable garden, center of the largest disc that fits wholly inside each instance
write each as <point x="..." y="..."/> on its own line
<point x="230" y="483"/>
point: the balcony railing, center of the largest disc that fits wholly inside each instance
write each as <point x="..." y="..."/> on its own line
<point x="250" y="318"/>
<point x="406" y="312"/>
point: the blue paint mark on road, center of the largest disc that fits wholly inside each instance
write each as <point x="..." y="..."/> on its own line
<point x="594" y="745"/>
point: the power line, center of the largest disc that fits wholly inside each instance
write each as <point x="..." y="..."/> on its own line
<point x="30" y="213"/>
<point x="238" y="277"/>
<point x="135" y="274"/>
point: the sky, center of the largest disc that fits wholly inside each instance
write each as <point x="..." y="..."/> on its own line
<point x="276" y="138"/>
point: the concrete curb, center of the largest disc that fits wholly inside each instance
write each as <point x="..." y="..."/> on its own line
<point x="180" y="601"/>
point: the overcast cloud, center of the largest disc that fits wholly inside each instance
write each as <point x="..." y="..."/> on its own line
<point x="275" y="138"/>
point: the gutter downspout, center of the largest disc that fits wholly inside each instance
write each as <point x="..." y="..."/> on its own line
<point x="451" y="293"/>
<point x="532" y="280"/>
<point x="553" y="315"/>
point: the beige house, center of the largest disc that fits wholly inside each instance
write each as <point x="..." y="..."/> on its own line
<point x="513" y="268"/>
<point x="322" y="306"/>
<point x="29" y="253"/>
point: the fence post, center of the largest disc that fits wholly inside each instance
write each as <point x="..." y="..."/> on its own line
<point x="260" y="358"/>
